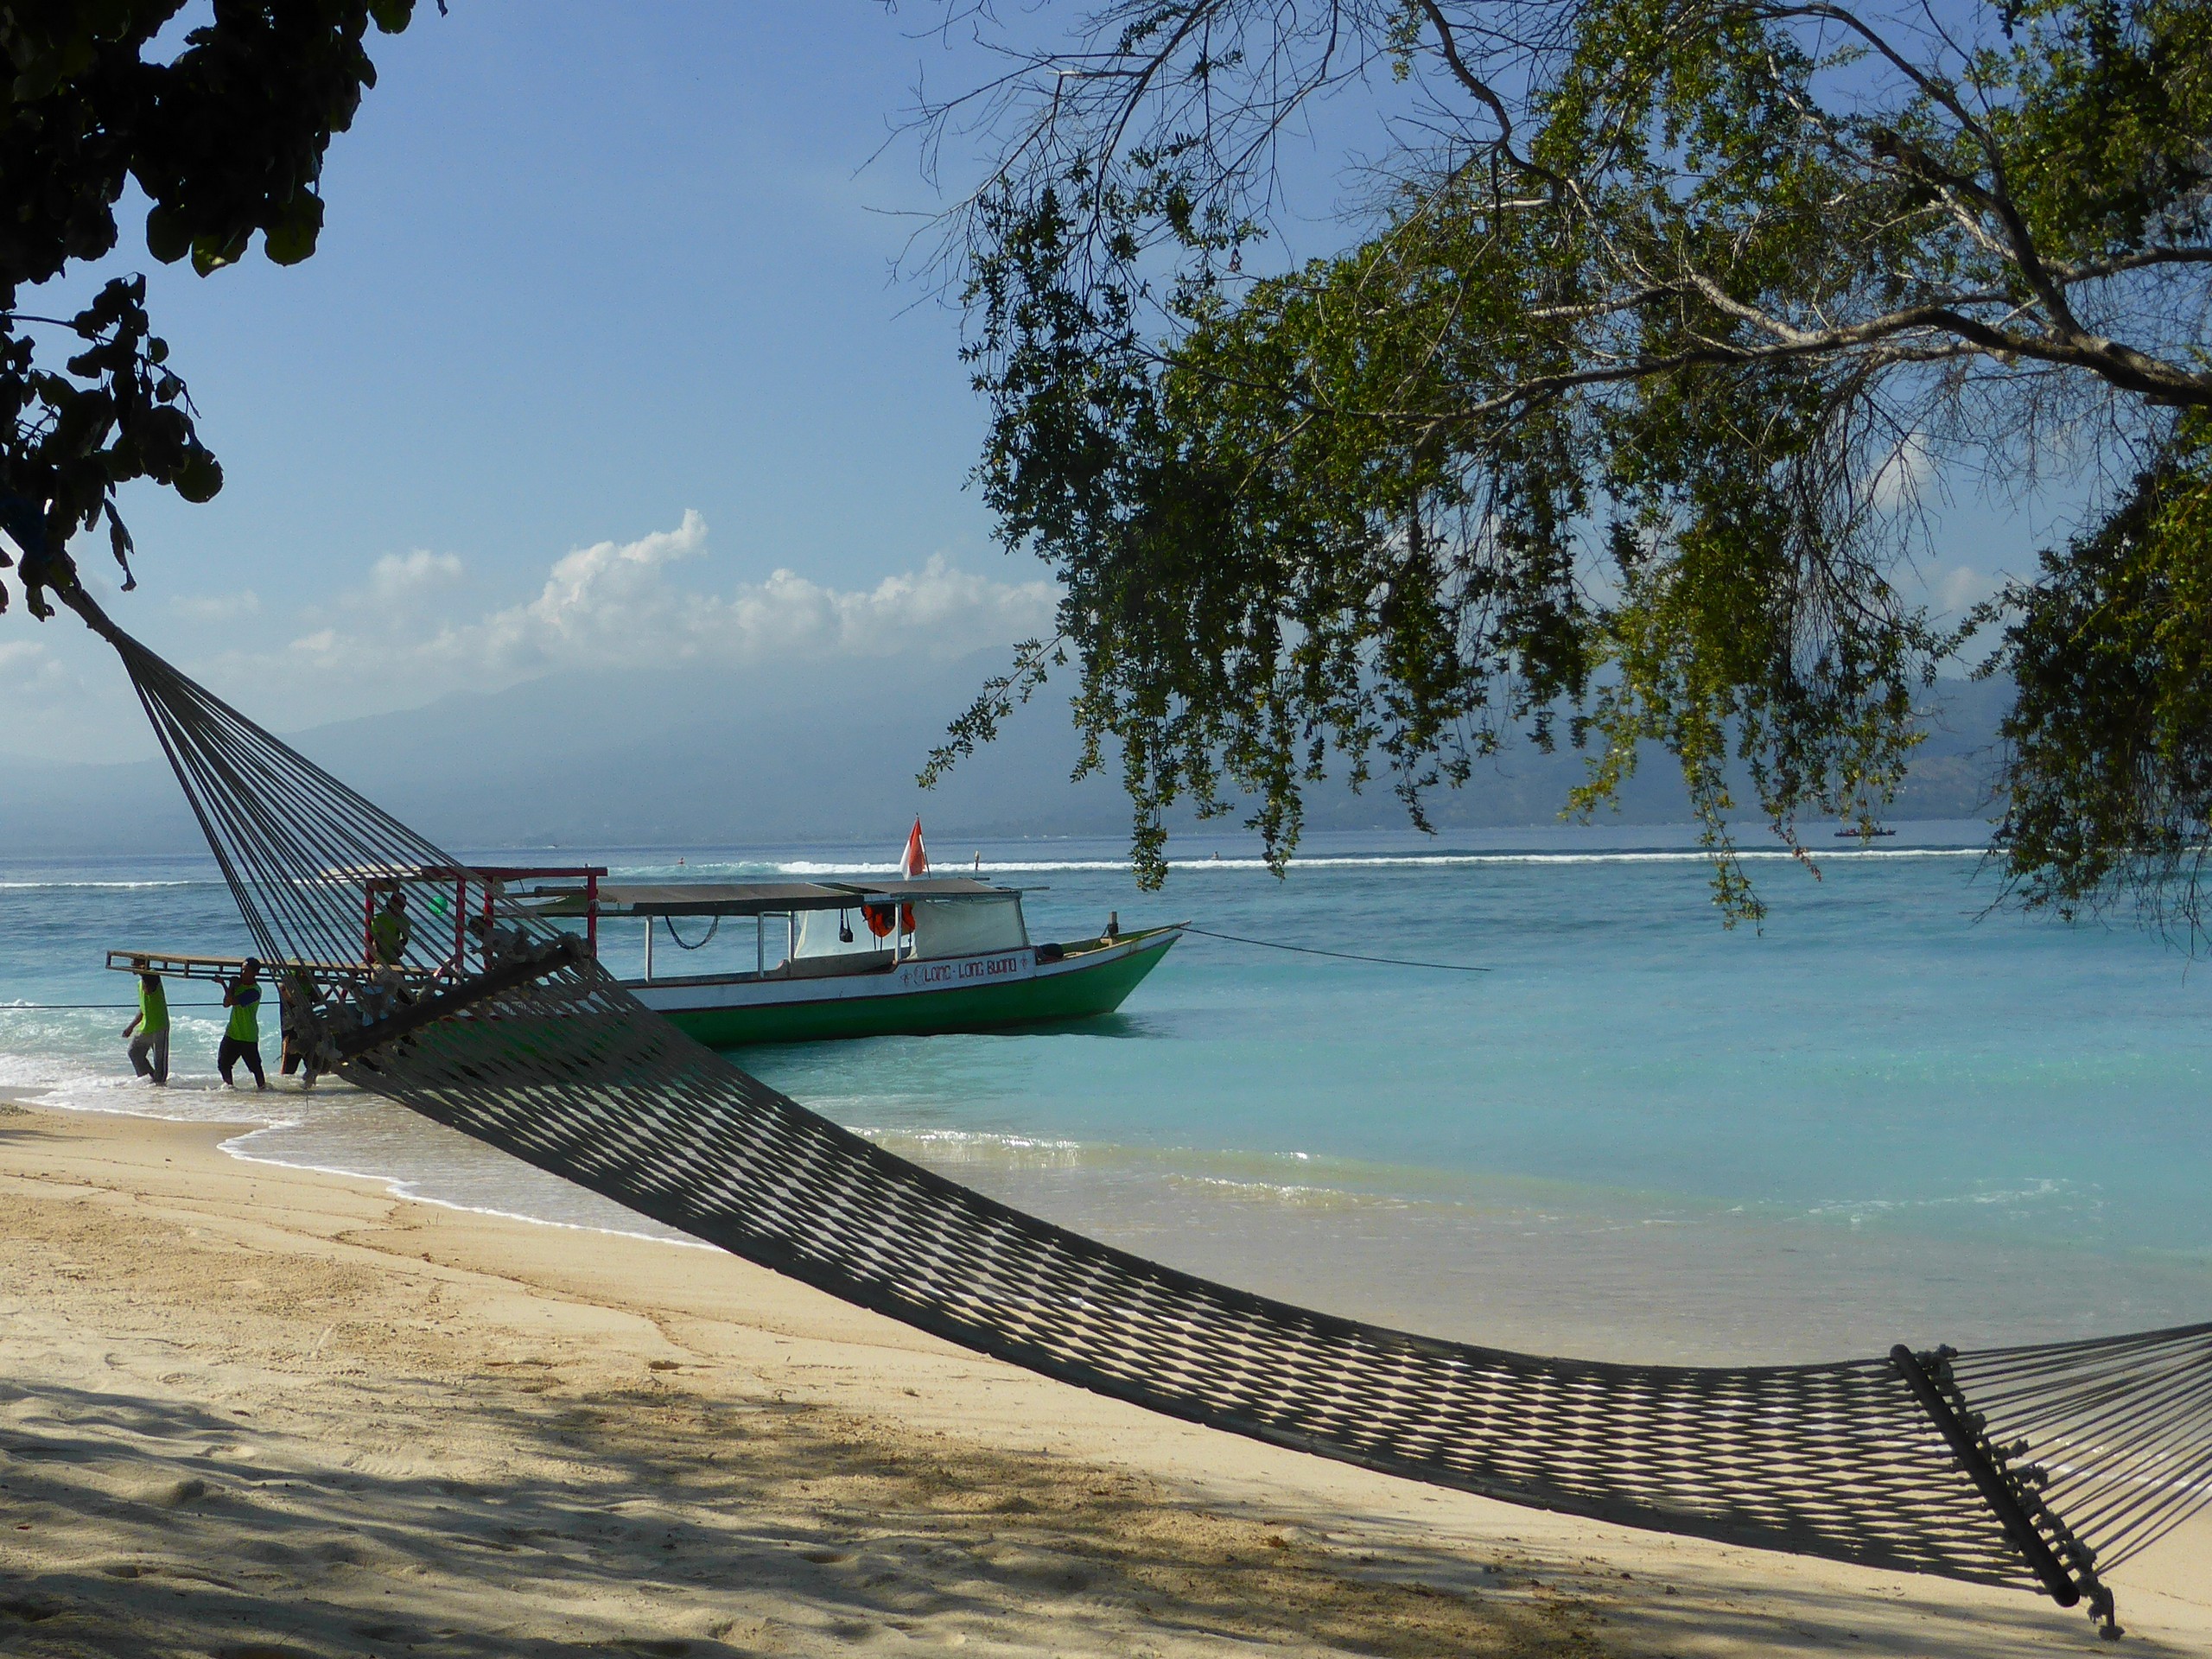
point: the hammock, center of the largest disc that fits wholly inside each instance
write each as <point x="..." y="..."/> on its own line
<point x="2042" y="1467"/>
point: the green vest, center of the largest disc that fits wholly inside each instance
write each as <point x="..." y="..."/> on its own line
<point x="388" y="935"/>
<point x="245" y="1015"/>
<point x="153" y="1007"/>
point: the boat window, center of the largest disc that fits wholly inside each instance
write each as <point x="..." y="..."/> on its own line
<point x="818" y="931"/>
<point x="969" y="927"/>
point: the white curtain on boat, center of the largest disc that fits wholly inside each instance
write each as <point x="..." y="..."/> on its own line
<point x="817" y="934"/>
<point x="968" y="927"/>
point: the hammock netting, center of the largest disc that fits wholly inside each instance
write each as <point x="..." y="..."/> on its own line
<point x="2042" y="1467"/>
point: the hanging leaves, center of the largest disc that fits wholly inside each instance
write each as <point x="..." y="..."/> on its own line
<point x="1616" y="422"/>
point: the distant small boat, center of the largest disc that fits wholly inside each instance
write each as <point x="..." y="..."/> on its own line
<point x="1862" y="834"/>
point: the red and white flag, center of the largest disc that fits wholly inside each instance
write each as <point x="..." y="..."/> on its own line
<point x="914" y="862"/>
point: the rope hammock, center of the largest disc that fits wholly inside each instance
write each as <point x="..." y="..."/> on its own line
<point x="2042" y="1467"/>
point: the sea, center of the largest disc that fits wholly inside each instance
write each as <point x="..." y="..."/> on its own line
<point x="1571" y="1113"/>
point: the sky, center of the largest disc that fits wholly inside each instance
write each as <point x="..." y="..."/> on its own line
<point x="600" y="357"/>
<point x="601" y="362"/>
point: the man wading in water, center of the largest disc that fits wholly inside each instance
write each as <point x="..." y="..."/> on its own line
<point x="149" y="1049"/>
<point x="242" y="1038"/>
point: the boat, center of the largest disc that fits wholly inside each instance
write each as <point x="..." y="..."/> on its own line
<point x="908" y="957"/>
<point x="913" y="955"/>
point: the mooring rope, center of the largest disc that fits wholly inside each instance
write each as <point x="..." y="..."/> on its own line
<point x="2044" y="1467"/>
<point x="111" y="1008"/>
<point x="1343" y="956"/>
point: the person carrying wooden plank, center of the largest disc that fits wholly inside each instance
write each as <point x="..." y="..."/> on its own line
<point x="242" y="1037"/>
<point x="149" y="1049"/>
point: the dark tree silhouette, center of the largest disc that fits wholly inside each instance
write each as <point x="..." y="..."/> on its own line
<point x="223" y="134"/>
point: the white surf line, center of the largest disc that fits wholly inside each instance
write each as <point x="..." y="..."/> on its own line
<point x="396" y="1185"/>
<point x="62" y="886"/>
<point x="44" y="1094"/>
<point x="1407" y="860"/>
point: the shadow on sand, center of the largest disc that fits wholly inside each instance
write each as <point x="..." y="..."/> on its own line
<point x="657" y="1522"/>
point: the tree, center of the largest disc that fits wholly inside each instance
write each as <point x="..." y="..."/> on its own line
<point x="1616" y="421"/>
<point x="224" y="135"/>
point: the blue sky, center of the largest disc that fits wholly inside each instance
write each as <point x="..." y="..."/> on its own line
<point x="586" y="267"/>
<point x="600" y="363"/>
<point x="586" y="270"/>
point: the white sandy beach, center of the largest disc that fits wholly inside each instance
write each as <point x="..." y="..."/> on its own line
<point x="248" y="1412"/>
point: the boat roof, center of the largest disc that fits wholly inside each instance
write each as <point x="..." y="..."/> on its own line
<point x="759" y="898"/>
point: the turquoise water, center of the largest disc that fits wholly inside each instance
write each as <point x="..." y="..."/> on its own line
<point x="1885" y="1114"/>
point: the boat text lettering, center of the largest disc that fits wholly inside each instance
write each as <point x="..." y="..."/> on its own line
<point x="972" y="971"/>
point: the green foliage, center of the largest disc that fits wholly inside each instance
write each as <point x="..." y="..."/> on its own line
<point x="225" y="139"/>
<point x="2109" y="765"/>
<point x="1612" y="426"/>
<point x="2108" y="133"/>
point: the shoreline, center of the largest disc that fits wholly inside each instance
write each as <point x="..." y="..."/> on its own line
<point x="1595" y="1273"/>
<point x="245" y="1403"/>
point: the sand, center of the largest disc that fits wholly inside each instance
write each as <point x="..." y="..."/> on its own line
<point x="251" y="1411"/>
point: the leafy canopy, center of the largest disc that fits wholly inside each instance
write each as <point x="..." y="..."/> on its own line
<point x="1615" y="422"/>
<point x="225" y="139"/>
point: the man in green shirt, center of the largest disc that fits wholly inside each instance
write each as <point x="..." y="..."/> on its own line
<point x="242" y="1037"/>
<point x="389" y="933"/>
<point x="149" y="1049"/>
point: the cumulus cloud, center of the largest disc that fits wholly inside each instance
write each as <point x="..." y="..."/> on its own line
<point x="62" y="697"/>
<point x="612" y="606"/>
<point x="26" y="663"/>
<point x="38" y="682"/>
<point x="1905" y="474"/>
<point x="217" y="608"/>
<point x="1959" y="589"/>
<point x="399" y="578"/>
<point x="624" y="605"/>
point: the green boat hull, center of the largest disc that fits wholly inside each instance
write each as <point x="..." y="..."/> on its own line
<point x="1078" y="991"/>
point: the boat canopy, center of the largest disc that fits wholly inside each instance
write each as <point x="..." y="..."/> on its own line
<point x="770" y="898"/>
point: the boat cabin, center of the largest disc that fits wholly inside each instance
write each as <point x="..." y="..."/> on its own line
<point x="806" y="930"/>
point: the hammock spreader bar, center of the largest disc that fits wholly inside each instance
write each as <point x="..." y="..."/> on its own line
<point x="2042" y="1467"/>
<point x="1988" y="1476"/>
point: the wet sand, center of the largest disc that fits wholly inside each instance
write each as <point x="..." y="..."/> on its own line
<point x="250" y="1412"/>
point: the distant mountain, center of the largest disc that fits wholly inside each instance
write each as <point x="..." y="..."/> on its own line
<point x="821" y="754"/>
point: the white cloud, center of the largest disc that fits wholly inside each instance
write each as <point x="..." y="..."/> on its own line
<point x="65" y="699"/>
<point x="398" y="638"/>
<point x="399" y="578"/>
<point x="1959" y="590"/>
<point x="27" y="662"/>
<point x="218" y="607"/>
<point x="1907" y="472"/>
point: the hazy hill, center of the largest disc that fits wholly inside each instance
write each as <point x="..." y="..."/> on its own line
<point x="822" y="754"/>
